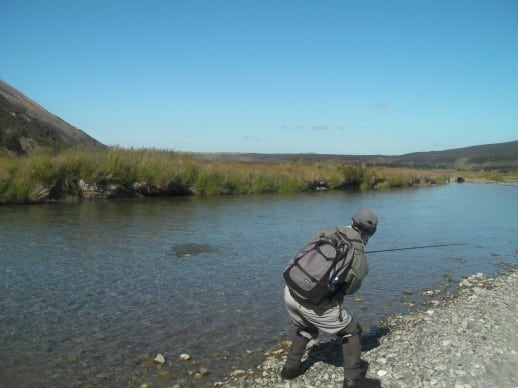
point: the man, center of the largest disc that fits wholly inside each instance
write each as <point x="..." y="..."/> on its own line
<point x="329" y="315"/>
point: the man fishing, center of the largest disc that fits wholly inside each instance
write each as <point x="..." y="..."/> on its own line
<point x="313" y="308"/>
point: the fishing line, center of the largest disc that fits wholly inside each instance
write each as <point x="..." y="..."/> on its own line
<point x="417" y="247"/>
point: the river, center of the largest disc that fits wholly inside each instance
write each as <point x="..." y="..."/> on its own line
<point x="93" y="290"/>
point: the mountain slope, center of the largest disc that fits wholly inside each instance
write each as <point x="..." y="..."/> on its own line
<point x="25" y="125"/>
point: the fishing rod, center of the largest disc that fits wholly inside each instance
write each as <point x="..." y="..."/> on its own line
<point x="418" y="247"/>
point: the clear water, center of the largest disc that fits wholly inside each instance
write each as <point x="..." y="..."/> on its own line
<point x="92" y="291"/>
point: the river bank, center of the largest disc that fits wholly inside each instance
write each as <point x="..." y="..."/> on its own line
<point x="467" y="340"/>
<point x="116" y="173"/>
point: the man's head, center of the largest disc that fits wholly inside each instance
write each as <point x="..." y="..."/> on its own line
<point x="365" y="221"/>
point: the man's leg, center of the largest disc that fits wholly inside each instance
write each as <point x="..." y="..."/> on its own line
<point x="293" y="366"/>
<point x="351" y="351"/>
<point x="305" y="332"/>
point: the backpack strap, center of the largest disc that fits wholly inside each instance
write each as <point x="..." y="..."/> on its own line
<point x="356" y="242"/>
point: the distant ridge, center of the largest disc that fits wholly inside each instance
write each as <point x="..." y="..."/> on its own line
<point x="498" y="155"/>
<point x="490" y="156"/>
<point x="25" y="125"/>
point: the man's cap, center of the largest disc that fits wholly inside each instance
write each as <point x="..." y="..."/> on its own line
<point x="366" y="219"/>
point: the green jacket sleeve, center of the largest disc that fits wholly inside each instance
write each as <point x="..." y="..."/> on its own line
<point x="359" y="266"/>
<point x="358" y="271"/>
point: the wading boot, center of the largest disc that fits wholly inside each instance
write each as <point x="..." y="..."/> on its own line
<point x="351" y="352"/>
<point x="293" y="366"/>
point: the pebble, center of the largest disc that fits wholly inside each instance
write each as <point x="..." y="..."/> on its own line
<point x="237" y="372"/>
<point x="204" y="371"/>
<point x="447" y="346"/>
<point x="159" y="358"/>
<point x="184" y="357"/>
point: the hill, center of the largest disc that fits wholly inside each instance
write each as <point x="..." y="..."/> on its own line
<point x="502" y="156"/>
<point x="25" y="125"/>
<point x="490" y="156"/>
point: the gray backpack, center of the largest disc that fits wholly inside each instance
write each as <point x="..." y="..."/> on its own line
<point x="319" y="269"/>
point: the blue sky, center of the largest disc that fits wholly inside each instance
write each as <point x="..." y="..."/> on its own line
<point x="343" y="77"/>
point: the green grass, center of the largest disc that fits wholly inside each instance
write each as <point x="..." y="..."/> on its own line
<point x="22" y="176"/>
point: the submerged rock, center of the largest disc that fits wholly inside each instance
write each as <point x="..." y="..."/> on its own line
<point x="192" y="249"/>
<point x="204" y="371"/>
<point x="159" y="358"/>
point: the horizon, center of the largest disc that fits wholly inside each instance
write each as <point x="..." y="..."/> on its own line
<point x="293" y="78"/>
<point x="352" y="155"/>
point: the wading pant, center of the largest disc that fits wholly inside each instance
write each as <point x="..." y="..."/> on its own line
<point x="330" y="317"/>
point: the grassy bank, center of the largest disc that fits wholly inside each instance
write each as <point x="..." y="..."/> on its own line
<point x="24" y="178"/>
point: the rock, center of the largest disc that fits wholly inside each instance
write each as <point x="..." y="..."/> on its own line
<point x="184" y="357"/>
<point x="464" y="283"/>
<point x="39" y="194"/>
<point x="478" y="290"/>
<point x="146" y="189"/>
<point x="103" y="189"/>
<point x="204" y="371"/>
<point x="159" y="358"/>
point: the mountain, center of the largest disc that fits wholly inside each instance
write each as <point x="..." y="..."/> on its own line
<point x="25" y="125"/>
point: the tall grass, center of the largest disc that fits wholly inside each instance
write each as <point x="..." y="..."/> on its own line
<point x="21" y="177"/>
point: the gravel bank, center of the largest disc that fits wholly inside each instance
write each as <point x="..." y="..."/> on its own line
<point x="469" y="340"/>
